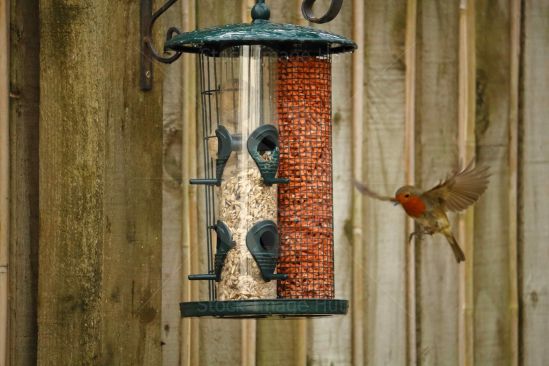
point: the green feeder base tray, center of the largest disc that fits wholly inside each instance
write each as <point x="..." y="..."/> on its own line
<point x="265" y="308"/>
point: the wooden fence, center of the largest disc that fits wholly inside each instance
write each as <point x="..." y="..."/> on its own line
<point x="103" y="227"/>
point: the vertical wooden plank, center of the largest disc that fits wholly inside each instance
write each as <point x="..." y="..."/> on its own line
<point x="172" y="212"/>
<point x="24" y="78"/>
<point x="436" y="132"/>
<point x="220" y="340"/>
<point x="384" y="165"/>
<point x="466" y="147"/>
<point x="281" y="342"/>
<point x="409" y="162"/>
<point x="494" y="223"/>
<point x="513" y="261"/>
<point x="355" y="235"/>
<point x="248" y="339"/>
<point x="190" y="229"/>
<point x="132" y="291"/>
<point x="533" y="186"/>
<point x="100" y="189"/>
<point x="4" y="179"/>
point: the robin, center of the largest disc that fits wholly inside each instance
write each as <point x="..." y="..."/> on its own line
<point x="459" y="190"/>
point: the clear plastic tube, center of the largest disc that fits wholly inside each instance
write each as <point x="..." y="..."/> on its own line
<point x="240" y="104"/>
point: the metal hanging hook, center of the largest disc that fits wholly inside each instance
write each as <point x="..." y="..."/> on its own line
<point x="148" y="52"/>
<point x="169" y="34"/>
<point x="333" y="11"/>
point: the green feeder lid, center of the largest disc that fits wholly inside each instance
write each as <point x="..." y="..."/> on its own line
<point x="284" y="38"/>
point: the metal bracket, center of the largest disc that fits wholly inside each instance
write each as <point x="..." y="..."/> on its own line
<point x="148" y="52"/>
<point x="333" y="11"/>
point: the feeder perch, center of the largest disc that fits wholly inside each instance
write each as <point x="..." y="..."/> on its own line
<point x="264" y="140"/>
<point x="263" y="242"/>
<point x="226" y="144"/>
<point x="265" y="93"/>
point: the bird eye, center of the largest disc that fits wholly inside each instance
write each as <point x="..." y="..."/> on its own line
<point x="407" y="195"/>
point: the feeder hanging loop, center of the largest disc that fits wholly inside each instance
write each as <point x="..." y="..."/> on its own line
<point x="169" y="34"/>
<point x="148" y="52"/>
<point x="333" y="11"/>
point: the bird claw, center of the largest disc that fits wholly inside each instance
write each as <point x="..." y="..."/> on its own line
<point x="412" y="236"/>
<point x="419" y="233"/>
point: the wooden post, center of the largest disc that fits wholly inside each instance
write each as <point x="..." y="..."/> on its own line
<point x="410" y="167"/>
<point x="384" y="226"/>
<point x="495" y="234"/>
<point x="513" y="198"/>
<point x="24" y="115"/>
<point x="357" y="304"/>
<point x="534" y="174"/>
<point x="4" y="179"/>
<point x="189" y="230"/>
<point x="466" y="147"/>
<point x="172" y="212"/>
<point x="100" y="189"/>
<point x="437" y="279"/>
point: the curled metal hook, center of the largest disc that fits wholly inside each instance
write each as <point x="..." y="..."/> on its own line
<point x="169" y="34"/>
<point x="157" y="56"/>
<point x="333" y="11"/>
<point x="148" y="52"/>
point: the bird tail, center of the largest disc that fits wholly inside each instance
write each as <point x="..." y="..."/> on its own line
<point x="458" y="253"/>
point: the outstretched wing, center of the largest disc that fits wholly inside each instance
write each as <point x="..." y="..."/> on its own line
<point x="461" y="188"/>
<point x="364" y="189"/>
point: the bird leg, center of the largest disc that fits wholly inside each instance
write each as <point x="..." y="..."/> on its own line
<point x="419" y="233"/>
<point x="413" y="234"/>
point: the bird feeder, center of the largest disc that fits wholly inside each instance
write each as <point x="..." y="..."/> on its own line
<point x="266" y="159"/>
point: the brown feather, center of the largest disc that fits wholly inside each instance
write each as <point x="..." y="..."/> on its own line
<point x="364" y="189"/>
<point x="461" y="188"/>
<point x="456" y="249"/>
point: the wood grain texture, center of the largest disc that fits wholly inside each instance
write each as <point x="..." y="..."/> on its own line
<point x="492" y="279"/>
<point x="533" y="185"/>
<point x="100" y="190"/>
<point x="410" y="162"/>
<point x="437" y="286"/>
<point x="189" y="239"/>
<point x="172" y="219"/>
<point x="513" y="198"/>
<point x="278" y="342"/>
<point x="355" y="224"/>
<point x="4" y="180"/>
<point x="384" y="169"/>
<point x="24" y="115"/>
<point x="466" y="147"/>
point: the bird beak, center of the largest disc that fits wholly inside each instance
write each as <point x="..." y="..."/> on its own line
<point x="395" y="203"/>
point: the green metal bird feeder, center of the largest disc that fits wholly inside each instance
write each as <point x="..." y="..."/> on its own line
<point x="265" y="136"/>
